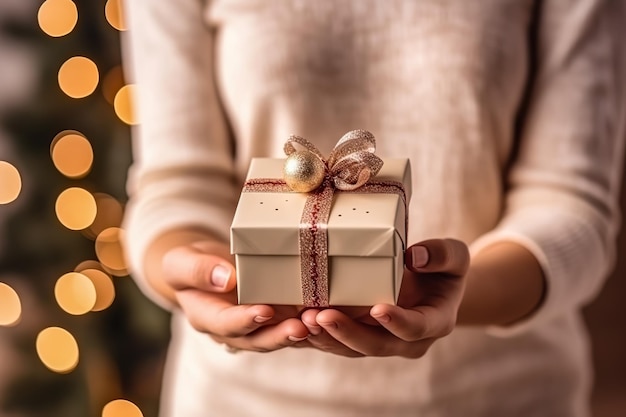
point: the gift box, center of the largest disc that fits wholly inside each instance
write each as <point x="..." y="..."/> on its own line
<point x="366" y="238"/>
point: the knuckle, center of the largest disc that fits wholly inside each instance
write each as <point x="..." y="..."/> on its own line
<point x="199" y="271"/>
<point x="444" y="260"/>
<point x="284" y="344"/>
<point x="225" y="327"/>
<point x="197" y="324"/>
<point x="418" y="350"/>
<point x="414" y="337"/>
<point x="249" y="328"/>
<point x="230" y="333"/>
<point x="421" y="329"/>
<point x="458" y="256"/>
<point x="257" y="347"/>
<point x="447" y="328"/>
<point x="417" y="333"/>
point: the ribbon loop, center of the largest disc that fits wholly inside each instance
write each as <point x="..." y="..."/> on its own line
<point x="353" y="141"/>
<point x="350" y="164"/>
<point x="292" y="144"/>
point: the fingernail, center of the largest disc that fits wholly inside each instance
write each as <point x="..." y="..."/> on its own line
<point x="383" y="318"/>
<point x="419" y="257"/>
<point x="262" y="319"/>
<point x="220" y="276"/>
<point x="296" y="339"/>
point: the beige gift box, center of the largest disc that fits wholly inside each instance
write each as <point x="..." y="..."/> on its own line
<point x="366" y="241"/>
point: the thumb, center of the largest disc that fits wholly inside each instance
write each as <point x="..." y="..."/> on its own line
<point x="189" y="267"/>
<point x="447" y="256"/>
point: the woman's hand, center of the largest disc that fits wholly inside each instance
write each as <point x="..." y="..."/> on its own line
<point x="203" y="280"/>
<point x="431" y="292"/>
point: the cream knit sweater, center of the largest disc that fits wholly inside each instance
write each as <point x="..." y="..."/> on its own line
<point x="512" y="112"/>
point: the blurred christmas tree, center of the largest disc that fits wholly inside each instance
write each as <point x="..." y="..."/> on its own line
<point x="121" y="347"/>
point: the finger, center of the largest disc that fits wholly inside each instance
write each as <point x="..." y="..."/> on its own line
<point x="418" y="323"/>
<point x="211" y="313"/>
<point x="368" y="340"/>
<point x="321" y="340"/>
<point x="269" y="338"/>
<point x="326" y="343"/>
<point x="308" y="318"/>
<point x="189" y="267"/>
<point x="448" y="256"/>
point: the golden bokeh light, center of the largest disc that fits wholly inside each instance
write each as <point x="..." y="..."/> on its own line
<point x="75" y="293"/>
<point x="57" y="349"/>
<point x="109" y="249"/>
<point x="10" y="306"/>
<point x="88" y="264"/>
<point x="76" y="208"/>
<point x="112" y="82"/>
<point x="57" y="17"/>
<point x="114" y="13"/>
<point x="109" y="214"/>
<point x="10" y="182"/>
<point x="78" y="77"/>
<point x="105" y="290"/>
<point x="72" y="154"/>
<point x="115" y="272"/>
<point x="124" y="104"/>
<point x="121" y="408"/>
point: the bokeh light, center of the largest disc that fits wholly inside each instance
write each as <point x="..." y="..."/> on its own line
<point x="76" y="208"/>
<point x="88" y="264"/>
<point x="109" y="213"/>
<point x="109" y="250"/>
<point x="78" y="77"/>
<point x="57" y="17"/>
<point x="121" y="408"/>
<point x="112" y="82"/>
<point x="114" y="13"/>
<point x="10" y="182"/>
<point x="75" y="293"/>
<point x="124" y="104"/>
<point x="57" y="349"/>
<point x="72" y="154"/>
<point x="10" y="305"/>
<point x="105" y="290"/>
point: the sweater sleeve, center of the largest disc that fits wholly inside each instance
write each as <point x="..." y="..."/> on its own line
<point x="563" y="186"/>
<point x="182" y="173"/>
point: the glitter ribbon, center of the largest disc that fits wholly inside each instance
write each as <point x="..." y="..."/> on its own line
<point x="352" y="161"/>
<point x="349" y="167"/>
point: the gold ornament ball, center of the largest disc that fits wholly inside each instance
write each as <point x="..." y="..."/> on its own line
<point x="303" y="171"/>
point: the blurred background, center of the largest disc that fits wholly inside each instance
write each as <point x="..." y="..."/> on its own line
<point x="76" y="336"/>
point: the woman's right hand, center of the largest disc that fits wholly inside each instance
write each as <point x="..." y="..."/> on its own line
<point x="203" y="279"/>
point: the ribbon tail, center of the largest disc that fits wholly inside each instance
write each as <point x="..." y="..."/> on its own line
<point x="313" y="235"/>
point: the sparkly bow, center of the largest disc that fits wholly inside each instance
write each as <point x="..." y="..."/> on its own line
<point x="352" y="161"/>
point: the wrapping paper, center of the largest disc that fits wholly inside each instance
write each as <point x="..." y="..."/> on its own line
<point x="366" y="241"/>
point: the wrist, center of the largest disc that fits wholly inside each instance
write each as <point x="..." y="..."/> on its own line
<point x="505" y="284"/>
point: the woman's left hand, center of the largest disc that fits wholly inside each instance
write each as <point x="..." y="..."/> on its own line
<point x="431" y="292"/>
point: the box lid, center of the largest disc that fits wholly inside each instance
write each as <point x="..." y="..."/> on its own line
<point x="360" y="224"/>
